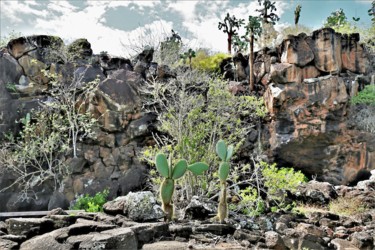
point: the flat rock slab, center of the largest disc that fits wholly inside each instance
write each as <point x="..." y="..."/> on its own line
<point x="166" y="245"/>
<point x="18" y="226"/>
<point x="7" y="244"/>
<point x="218" y="229"/>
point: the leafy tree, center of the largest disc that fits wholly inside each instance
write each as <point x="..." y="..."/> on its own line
<point x="253" y="30"/>
<point x="188" y="55"/>
<point x="266" y="13"/>
<point x="170" y="48"/>
<point x="297" y="14"/>
<point x="371" y="12"/>
<point x="336" y="19"/>
<point x="229" y="26"/>
<point x="239" y="44"/>
<point x="268" y="19"/>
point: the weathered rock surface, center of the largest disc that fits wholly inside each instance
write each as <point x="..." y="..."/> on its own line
<point x="140" y="206"/>
<point x="309" y="130"/>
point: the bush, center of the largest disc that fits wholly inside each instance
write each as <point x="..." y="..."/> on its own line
<point x="195" y="110"/>
<point x="204" y="62"/>
<point x="273" y="183"/>
<point x="91" y="203"/>
<point x="366" y="96"/>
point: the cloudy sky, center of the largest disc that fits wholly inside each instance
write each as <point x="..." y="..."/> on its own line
<point x="117" y="26"/>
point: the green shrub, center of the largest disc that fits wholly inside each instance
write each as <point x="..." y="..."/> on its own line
<point x="275" y="183"/>
<point x="366" y="96"/>
<point x="204" y="62"/>
<point x="91" y="203"/>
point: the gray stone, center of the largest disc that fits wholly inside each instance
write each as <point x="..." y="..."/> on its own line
<point x="166" y="245"/>
<point x="58" y="200"/>
<point x="83" y="226"/>
<point x="120" y="238"/>
<point x="48" y="241"/>
<point x="8" y="244"/>
<point x="142" y="206"/>
<point x="147" y="232"/>
<point x="362" y="240"/>
<point x="198" y="209"/>
<point x="274" y="240"/>
<point x="218" y="229"/>
<point x="23" y="226"/>
<point x="341" y="244"/>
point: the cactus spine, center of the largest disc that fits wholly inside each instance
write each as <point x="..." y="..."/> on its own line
<point x="170" y="174"/>
<point x="225" y="153"/>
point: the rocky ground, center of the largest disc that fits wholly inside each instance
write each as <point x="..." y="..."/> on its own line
<point x="135" y="222"/>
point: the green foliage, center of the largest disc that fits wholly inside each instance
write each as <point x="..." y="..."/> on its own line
<point x="336" y="19"/>
<point x="11" y="87"/>
<point x="91" y="203"/>
<point x="371" y="12"/>
<point x="170" y="49"/>
<point x="230" y="26"/>
<point x="297" y="14"/>
<point x="272" y="181"/>
<point x="366" y="96"/>
<point x="266" y="13"/>
<point x="207" y="63"/>
<point x="193" y="120"/>
<point x="5" y="39"/>
<point x="171" y="174"/>
<point x="253" y="26"/>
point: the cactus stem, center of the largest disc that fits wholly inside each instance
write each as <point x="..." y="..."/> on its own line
<point x="223" y="205"/>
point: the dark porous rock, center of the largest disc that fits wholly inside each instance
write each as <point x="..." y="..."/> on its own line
<point x="119" y="238"/>
<point x="86" y="74"/>
<point x="8" y="244"/>
<point x="148" y="232"/>
<point x="10" y="70"/>
<point x="183" y="231"/>
<point x="83" y="226"/>
<point x="39" y="204"/>
<point x="29" y="226"/>
<point x="132" y="179"/>
<point x="316" y="192"/>
<point x="362" y="240"/>
<point x="58" y="200"/>
<point x="341" y="244"/>
<point x="274" y="241"/>
<point x="140" y="127"/>
<point x="143" y="61"/>
<point x="80" y="49"/>
<point x="244" y="234"/>
<point x="53" y="240"/>
<point x="218" y="229"/>
<point x="308" y="229"/>
<point x="116" y="206"/>
<point x="311" y="242"/>
<point x="62" y="220"/>
<point x="57" y="211"/>
<point x="199" y="210"/>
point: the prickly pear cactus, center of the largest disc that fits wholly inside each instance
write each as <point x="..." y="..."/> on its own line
<point x="171" y="174"/>
<point x="225" y="153"/>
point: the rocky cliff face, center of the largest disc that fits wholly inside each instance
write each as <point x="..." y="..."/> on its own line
<point x="110" y="161"/>
<point x="308" y="94"/>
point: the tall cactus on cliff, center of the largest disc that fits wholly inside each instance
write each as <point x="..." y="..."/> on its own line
<point x="225" y="153"/>
<point x="229" y="26"/>
<point x="297" y="14"/>
<point x="170" y="174"/>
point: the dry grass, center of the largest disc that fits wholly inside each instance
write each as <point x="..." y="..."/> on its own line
<point x="347" y="206"/>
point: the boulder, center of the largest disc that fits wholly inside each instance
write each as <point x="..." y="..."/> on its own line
<point x="139" y="206"/>
<point x="315" y="192"/>
<point x="274" y="241"/>
<point x="10" y="70"/>
<point x="354" y="55"/>
<point x="295" y="50"/>
<point x="199" y="210"/>
<point x="29" y="226"/>
<point x="33" y="69"/>
<point x="326" y="46"/>
<point x="80" y="50"/>
<point x="283" y="73"/>
<point x="120" y="238"/>
<point x="52" y="240"/>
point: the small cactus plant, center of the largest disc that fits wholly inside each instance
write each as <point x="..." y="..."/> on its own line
<point x="225" y="153"/>
<point x="171" y="174"/>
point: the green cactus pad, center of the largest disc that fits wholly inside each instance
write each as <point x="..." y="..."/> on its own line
<point x="179" y="170"/>
<point x="166" y="191"/>
<point x="162" y="165"/>
<point x="229" y="152"/>
<point x="221" y="150"/>
<point x="198" y="168"/>
<point x="223" y="171"/>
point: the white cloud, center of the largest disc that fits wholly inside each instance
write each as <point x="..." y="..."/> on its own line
<point x="15" y="11"/>
<point x="185" y="8"/>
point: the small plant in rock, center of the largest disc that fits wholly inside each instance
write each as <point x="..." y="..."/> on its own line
<point x="225" y="153"/>
<point x="172" y="173"/>
<point x="366" y="96"/>
<point x="91" y="203"/>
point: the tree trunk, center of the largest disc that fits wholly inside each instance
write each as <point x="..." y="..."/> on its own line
<point x="251" y="63"/>
<point x="229" y="44"/>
